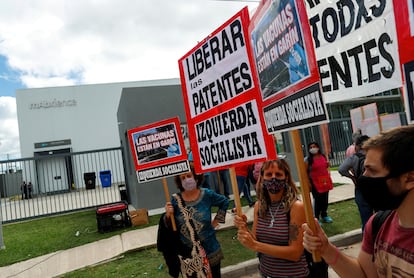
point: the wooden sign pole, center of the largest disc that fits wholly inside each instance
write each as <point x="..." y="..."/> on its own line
<point x="167" y="197"/>
<point x="305" y="185"/>
<point x="235" y="189"/>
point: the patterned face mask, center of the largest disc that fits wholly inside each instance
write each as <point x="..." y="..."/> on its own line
<point x="189" y="183"/>
<point x="274" y="185"/>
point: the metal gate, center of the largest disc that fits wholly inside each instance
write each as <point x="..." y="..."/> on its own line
<point x="58" y="183"/>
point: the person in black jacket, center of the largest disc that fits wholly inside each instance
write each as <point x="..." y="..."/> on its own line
<point x="353" y="167"/>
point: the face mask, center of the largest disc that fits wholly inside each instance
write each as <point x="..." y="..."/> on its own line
<point x="274" y="185"/>
<point x="314" y="150"/>
<point x="189" y="183"/>
<point x="375" y="191"/>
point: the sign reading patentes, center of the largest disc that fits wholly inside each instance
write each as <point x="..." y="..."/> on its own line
<point x="52" y="104"/>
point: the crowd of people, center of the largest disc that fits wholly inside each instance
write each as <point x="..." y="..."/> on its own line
<point x="382" y="170"/>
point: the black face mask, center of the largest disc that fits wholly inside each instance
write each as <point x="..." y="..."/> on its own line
<point x="375" y="191"/>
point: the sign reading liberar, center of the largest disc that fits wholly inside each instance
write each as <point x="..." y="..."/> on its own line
<point x="221" y="92"/>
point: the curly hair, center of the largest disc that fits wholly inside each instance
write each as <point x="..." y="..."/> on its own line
<point x="290" y="195"/>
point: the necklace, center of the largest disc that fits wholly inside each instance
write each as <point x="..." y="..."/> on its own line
<point x="272" y="221"/>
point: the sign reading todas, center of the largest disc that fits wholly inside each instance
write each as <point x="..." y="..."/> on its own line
<point x="158" y="150"/>
<point x="220" y="94"/>
<point x="356" y="47"/>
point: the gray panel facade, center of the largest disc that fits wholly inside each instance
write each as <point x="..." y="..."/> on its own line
<point x="139" y="106"/>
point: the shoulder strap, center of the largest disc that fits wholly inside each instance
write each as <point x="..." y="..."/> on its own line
<point x="379" y="218"/>
<point x="360" y="164"/>
<point x="188" y="221"/>
<point x="377" y="222"/>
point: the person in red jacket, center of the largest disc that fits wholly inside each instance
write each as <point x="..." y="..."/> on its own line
<point x="241" y="176"/>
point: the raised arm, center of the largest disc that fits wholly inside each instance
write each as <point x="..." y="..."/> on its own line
<point x="344" y="266"/>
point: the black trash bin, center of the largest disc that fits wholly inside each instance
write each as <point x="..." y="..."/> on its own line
<point x="90" y="180"/>
<point x="123" y="192"/>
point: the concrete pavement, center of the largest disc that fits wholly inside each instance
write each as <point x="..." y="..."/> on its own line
<point x="64" y="261"/>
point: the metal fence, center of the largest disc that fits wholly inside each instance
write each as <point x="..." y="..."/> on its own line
<point x="340" y="137"/>
<point x="68" y="181"/>
<point x="60" y="183"/>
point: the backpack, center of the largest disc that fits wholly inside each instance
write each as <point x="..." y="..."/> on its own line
<point x="316" y="269"/>
<point x="360" y="168"/>
<point x="377" y="222"/>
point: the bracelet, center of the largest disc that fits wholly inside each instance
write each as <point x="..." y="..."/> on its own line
<point x="336" y="257"/>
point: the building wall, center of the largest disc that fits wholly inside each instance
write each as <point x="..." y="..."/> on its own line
<point x="84" y="114"/>
<point x="140" y="106"/>
<point x="69" y="119"/>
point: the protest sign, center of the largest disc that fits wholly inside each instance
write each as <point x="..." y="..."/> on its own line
<point x="282" y="48"/>
<point x="409" y="90"/>
<point x="356" y="47"/>
<point x="286" y="66"/>
<point x="404" y="20"/>
<point x="221" y="92"/>
<point x="158" y="150"/>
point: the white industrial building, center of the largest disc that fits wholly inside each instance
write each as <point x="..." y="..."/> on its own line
<point x="57" y="121"/>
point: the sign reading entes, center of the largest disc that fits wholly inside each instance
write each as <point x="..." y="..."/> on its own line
<point x="356" y="47"/>
<point x="52" y="104"/>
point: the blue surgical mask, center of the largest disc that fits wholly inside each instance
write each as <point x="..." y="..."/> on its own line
<point x="274" y="185"/>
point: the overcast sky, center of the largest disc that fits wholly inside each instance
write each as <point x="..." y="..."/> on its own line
<point x="47" y="43"/>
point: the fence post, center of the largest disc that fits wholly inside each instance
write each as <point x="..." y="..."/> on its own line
<point x="2" y="246"/>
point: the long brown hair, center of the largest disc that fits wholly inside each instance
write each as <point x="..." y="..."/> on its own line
<point x="290" y="195"/>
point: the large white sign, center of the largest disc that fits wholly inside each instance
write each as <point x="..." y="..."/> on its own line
<point x="356" y="47"/>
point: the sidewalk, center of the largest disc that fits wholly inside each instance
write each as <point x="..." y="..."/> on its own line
<point x="64" y="261"/>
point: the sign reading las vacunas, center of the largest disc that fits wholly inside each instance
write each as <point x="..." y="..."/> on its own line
<point x="286" y="66"/>
<point x="158" y="150"/>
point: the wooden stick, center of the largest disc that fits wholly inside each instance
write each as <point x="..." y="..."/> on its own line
<point x="304" y="185"/>
<point x="235" y="189"/>
<point x="167" y="197"/>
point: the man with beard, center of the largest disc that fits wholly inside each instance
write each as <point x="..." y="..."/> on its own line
<point x="386" y="184"/>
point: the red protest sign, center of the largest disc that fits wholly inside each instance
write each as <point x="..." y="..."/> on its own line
<point x="221" y="97"/>
<point x="158" y="150"/>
